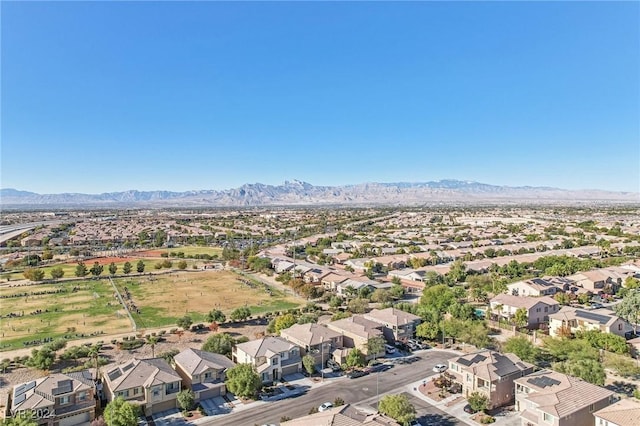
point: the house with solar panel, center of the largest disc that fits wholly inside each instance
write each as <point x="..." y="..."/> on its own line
<point x="149" y="383"/>
<point x="570" y="320"/>
<point x="554" y="399"/>
<point x="57" y="399"/>
<point x="489" y="373"/>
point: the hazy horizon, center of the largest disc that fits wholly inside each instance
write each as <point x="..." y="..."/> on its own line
<point x="113" y="96"/>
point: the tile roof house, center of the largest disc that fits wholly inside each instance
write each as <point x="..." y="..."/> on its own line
<point x="314" y="339"/>
<point x="398" y="325"/>
<point x="534" y="287"/>
<point x="356" y="332"/>
<point x="57" y="399"/>
<point x="203" y="372"/>
<point x="538" y="308"/>
<point x="575" y="319"/>
<point x="344" y="415"/>
<point x="150" y="383"/>
<point x="489" y="373"/>
<point x="625" y="412"/>
<point x="273" y="357"/>
<point x="550" y="398"/>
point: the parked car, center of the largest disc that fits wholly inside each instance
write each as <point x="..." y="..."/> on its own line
<point x="380" y="368"/>
<point x="389" y="349"/>
<point x="354" y="374"/>
<point x="468" y="409"/>
<point x="325" y="406"/>
<point x="439" y="368"/>
<point x="333" y="365"/>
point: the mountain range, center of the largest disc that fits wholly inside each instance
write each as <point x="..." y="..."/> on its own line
<point x="298" y="193"/>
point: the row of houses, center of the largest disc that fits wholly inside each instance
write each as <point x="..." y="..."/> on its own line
<point x="543" y="397"/>
<point x="153" y="384"/>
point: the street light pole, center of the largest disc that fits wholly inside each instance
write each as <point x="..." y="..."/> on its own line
<point x="322" y="358"/>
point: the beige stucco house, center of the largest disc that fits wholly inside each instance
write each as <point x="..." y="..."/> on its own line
<point x="203" y="372"/>
<point x="272" y="357"/>
<point x="574" y="319"/>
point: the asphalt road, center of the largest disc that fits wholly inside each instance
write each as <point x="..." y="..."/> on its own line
<point x="352" y="391"/>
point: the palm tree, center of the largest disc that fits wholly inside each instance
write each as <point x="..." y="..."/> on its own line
<point x="152" y="340"/>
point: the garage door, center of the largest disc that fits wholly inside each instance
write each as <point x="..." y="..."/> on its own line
<point x="77" y="419"/>
<point x="210" y="393"/>
<point x="290" y="369"/>
<point x="164" y="406"/>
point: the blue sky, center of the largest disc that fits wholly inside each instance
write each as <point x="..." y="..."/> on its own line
<point x="103" y="96"/>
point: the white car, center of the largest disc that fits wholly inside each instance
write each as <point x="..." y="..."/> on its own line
<point x="439" y="368"/>
<point x="389" y="349"/>
<point x="325" y="406"/>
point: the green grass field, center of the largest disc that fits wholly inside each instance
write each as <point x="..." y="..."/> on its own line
<point x="84" y="307"/>
<point x="193" y="250"/>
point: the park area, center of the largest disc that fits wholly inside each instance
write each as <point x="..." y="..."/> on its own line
<point x="34" y="313"/>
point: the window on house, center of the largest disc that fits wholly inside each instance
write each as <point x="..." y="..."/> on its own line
<point x="619" y="326"/>
<point x="82" y="396"/>
<point x="207" y="375"/>
<point x="63" y="400"/>
<point x="591" y="408"/>
<point x="136" y="391"/>
<point x="548" y="418"/>
<point x="275" y="360"/>
<point x="156" y="392"/>
<point x="546" y="309"/>
<point x="537" y="309"/>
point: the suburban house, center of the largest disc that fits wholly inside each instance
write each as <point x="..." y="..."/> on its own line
<point x="344" y="415"/>
<point x="408" y="274"/>
<point x="331" y="281"/>
<point x="315" y="340"/>
<point x="150" y="383"/>
<point x="57" y="399"/>
<point x="273" y="357"/>
<point x="345" y="287"/>
<point x="398" y="325"/>
<point x="535" y="287"/>
<point x="596" y="280"/>
<point x="548" y="398"/>
<point x="538" y="308"/>
<point x="489" y="373"/>
<point x="356" y="332"/>
<point x="574" y="319"/>
<point x="625" y="412"/>
<point x="202" y="372"/>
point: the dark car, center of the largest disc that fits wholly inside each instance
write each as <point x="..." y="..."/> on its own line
<point x="467" y="409"/>
<point x="357" y="373"/>
<point x="380" y="368"/>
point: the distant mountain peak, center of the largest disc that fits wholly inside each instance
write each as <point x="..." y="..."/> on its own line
<point x="297" y="192"/>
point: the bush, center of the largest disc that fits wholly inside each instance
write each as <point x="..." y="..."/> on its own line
<point x="487" y="420"/>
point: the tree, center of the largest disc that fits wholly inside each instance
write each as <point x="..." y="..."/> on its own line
<point x="57" y="273"/>
<point x="243" y="381"/>
<point x="629" y="308"/>
<point x="81" y="269"/>
<point x="182" y="264"/>
<point x="309" y="364"/>
<point x="589" y="370"/>
<point x="153" y="341"/>
<point x="375" y="346"/>
<point x="438" y="297"/>
<point x="216" y="315"/>
<point x="283" y="321"/>
<point x="113" y="268"/>
<point x="428" y="330"/>
<point x="358" y="306"/>
<point x="42" y="358"/>
<point x="397" y="291"/>
<point x="240" y="314"/>
<point x="120" y="413"/>
<point x="186" y="398"/>
<point x="140" y="266"/>
<point x="184" y="322"/>
<point x="520" y="317"/>
<point x="221" y="343"/>
<point x="478" y="401"/>
<point x="335" y="302"/>
<point x="23" y="418"/>
<point x="34" y="274"/>
<point x="397" y="407"/>
<point x="381" y="296"/>
<point x="355" y="358"/>
<point x="96" y="269"/>
<point x="522" y="348"/>
<point x="457" y="272"/>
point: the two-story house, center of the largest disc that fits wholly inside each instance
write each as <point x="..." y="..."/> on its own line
<point x="314" y="339"/>
<point x="548" y="398"/>
<point x="150" y="383"/>
<point x="538" y="308"/>
<point x="203" y="372"/>
<point x="272" y="357"/>
<point x="57" y="399"/>
<point x="535" y="287"/>
<point x="398" y="325"/>
<point x="570" y="320"/>
<point x="625" y="412"/>
<point x="489" y="373"/>
<point x="356" y="332"/>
